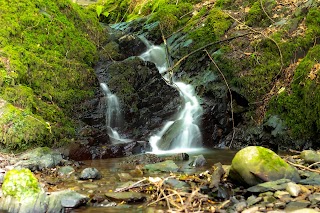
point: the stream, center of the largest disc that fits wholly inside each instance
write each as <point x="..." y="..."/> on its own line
<point x="110" y="168"/>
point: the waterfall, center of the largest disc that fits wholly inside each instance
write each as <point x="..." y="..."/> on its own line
<point x="113" y="115"/>
<point x="189" y="135"/>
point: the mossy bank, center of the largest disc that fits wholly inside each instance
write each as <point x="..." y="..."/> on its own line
<point x="47" y="51"/>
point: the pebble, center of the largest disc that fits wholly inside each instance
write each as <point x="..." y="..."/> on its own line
<point x="293" y="189"/>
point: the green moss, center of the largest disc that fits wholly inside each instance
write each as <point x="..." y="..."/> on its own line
<point x="215" y="25"/>
<point x="256" y="15"/>
<point x="299" y="104"/>
<point x="21" y="129"/>
<point x="20" y="184"/>
<point x="47" y="50"/>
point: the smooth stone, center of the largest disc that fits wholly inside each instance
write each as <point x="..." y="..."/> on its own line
<point x="90" y="173"/>
<point x="124" y="177"/>
<point x="315" y="198"/>
<point x="310" y="156"/>
<point x="73" y="199"/>
<point x="255" y="164"/>
<point x="198" y="161"/>
<point x="126" y="196"/>
<point x="240" y="206"/>
<point x="270" y="186"/>
<point x="296" y="205"/>
<point x="253" y="200"/>
<point x="293" y="189"/>
<point x="65" y="171"/>
<point x="165" y="166"/>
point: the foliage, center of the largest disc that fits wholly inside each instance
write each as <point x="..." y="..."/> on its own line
<point x="257" y="15"/>
<point x="299" y="105"/>
<point x="21" y="184"/>
<point x="47" y="50"/>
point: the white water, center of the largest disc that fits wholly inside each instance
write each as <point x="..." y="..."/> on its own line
<point x="189" y="136"/>
<point x="113" y="115"/>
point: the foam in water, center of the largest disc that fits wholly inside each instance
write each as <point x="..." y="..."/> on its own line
<point x="190" y="135"/>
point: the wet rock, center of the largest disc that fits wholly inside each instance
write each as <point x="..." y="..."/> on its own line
<point x="39" y="158"/>
<point x="90" y="173"/>
<point x="270" y="186"/>
<point x="310" y="156"/>
<point x="296" y="205"/>
<point x="165" y="166"/>
<point x="73" y="199"/>
<point x="128" y="197"/>
<point x="293" y="189"/>
<point x="124" y="176"/>
<point x="314" y="198"/>
<point x="253" y="200"/>
<point x="36" y="203"/>
<point x="176" y="184"/>
<point x="239" y="207"/>
<point x="131" y="45"/>
<point x="66" y="171"/>
<point x="198" y="161"/>
<point x="57" y="201"/>
<point x="172" y="133"/>
<point x="253" y="165"/>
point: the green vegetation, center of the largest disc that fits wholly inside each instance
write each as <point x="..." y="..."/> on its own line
<point x="20" y="184"/>
<point x="299" y="104"/>
<point x="47" y="50"/>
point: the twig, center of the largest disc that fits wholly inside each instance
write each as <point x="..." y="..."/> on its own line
<point x="311" y="165"/>
<point x="225" y="81"/>
<point x="131" y="186"/>
<point x="266" y="12"/>
<point x="303" y="167"/>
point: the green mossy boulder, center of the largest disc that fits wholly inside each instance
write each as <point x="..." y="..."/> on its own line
<point x="20" y="129"/>
<point x="21" y="184"/>
<point x="47" y="51"/>
<point x="254" y="164"/>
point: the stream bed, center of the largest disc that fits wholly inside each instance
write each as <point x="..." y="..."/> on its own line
<point x="110" y="168"/>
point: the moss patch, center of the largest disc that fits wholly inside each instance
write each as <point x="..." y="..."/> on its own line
<point x="47" y="50"/>
<point x="20" y="184"/>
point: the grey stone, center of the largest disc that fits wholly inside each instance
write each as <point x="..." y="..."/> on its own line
<point x="66" y="171"/>
<point x="296" y="205"/>
<point x="90" y="173"/>
<point x="165" y="166"/>
<point x="270" y="186"/>
<point x="293" y="189"/>
<point x="198" y="161"/>
<point x="310" y="156"/>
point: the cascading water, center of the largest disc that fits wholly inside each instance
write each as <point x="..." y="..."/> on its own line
<point x="189" y="135"/>
<point x="113" y="115"/>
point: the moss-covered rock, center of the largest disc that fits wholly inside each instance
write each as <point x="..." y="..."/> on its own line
<point x="47" y="50"/>
<point x="253" y="165"/>
<point x="21" y="184"/>
<point x="21" y="129"/>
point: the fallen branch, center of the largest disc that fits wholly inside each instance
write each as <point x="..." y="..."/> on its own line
<point x="134" y="185"/>
<point x="230" y="93"/>
<point x="204" y="47"/>
<point x="304" y="167"/>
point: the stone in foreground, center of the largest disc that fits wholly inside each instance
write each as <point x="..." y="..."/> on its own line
<point x="254" y="164"/>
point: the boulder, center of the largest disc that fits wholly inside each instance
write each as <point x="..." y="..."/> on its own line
<point x="310" y="156"/>
<point x="254" y="164"/>
<point x="90" y="173"/>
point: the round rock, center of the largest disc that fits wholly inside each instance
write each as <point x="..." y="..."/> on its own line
<point x="254" y="164"/>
